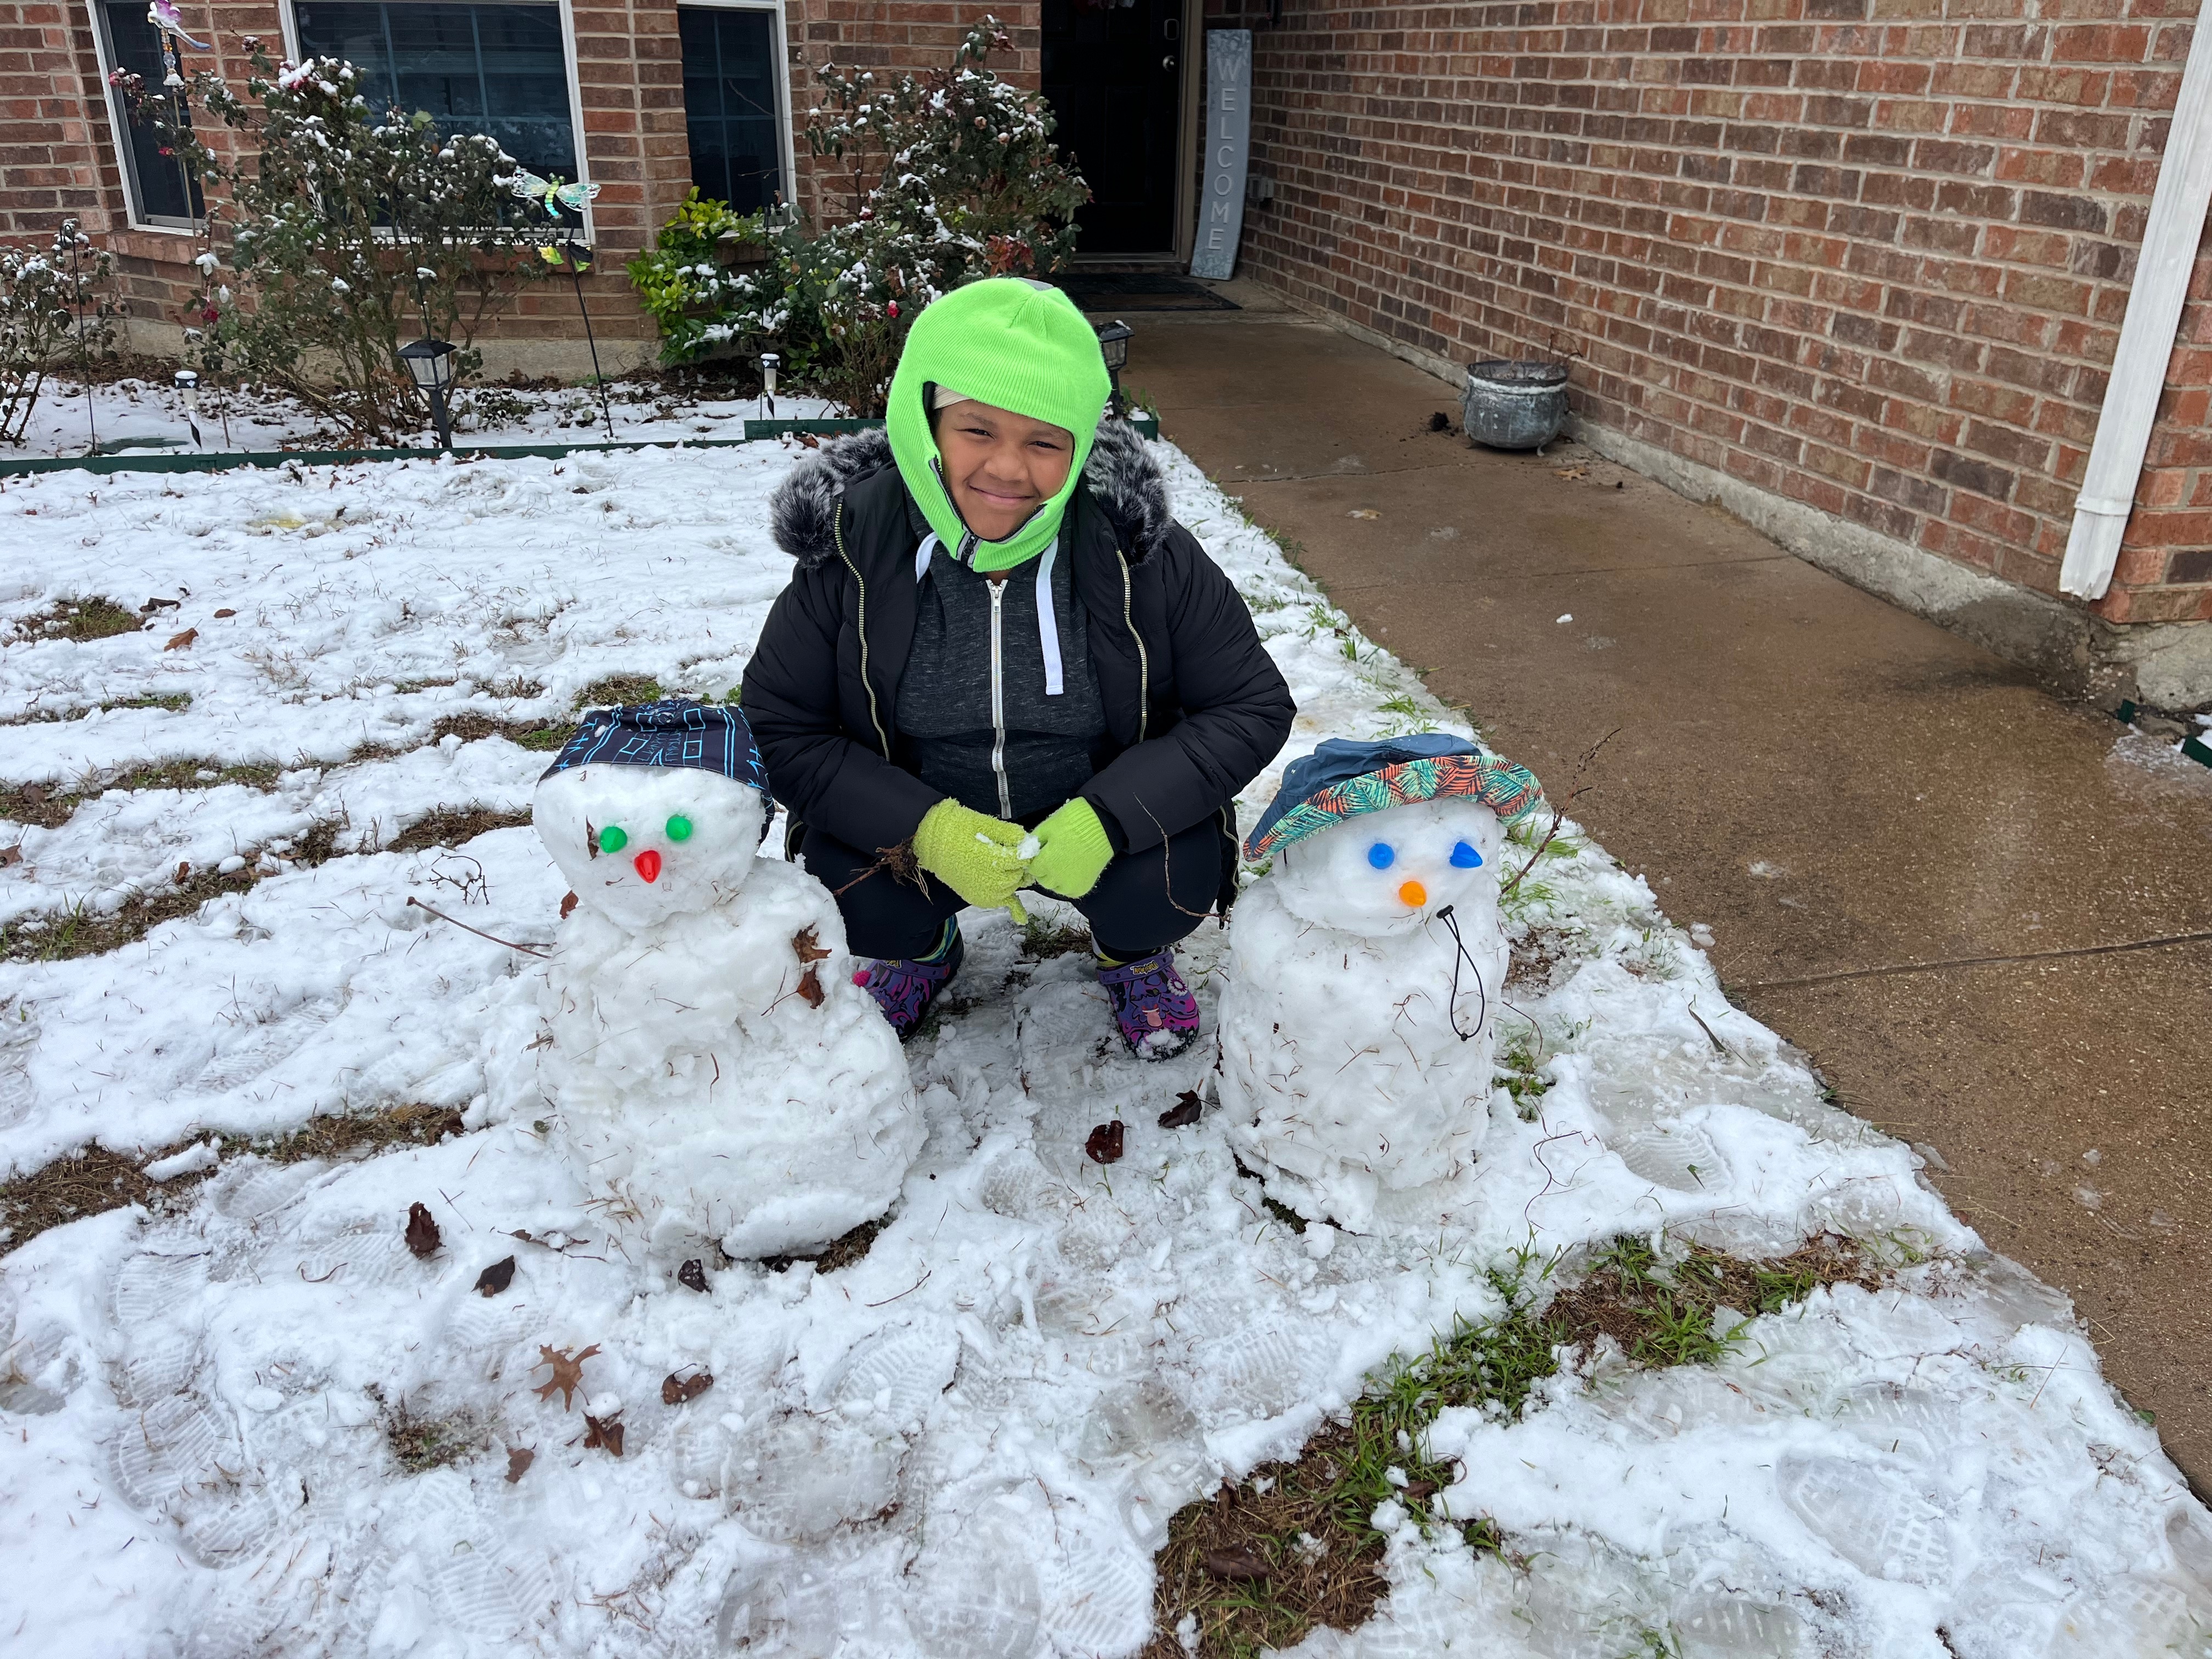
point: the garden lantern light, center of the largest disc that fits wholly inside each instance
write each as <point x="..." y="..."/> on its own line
<point x="188" y="385"/>
<point x="1114" y="346"/>
<point x="430" y="363"/>
<point x="770" y="363"/>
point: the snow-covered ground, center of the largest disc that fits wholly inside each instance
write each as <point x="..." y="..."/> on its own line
<point x="141" y="416"/>
<point x="970" y="1442"/>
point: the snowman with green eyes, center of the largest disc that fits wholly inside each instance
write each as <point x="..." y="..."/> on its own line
<point x="1364" y="977"/>
<point x="714" y="1072"/>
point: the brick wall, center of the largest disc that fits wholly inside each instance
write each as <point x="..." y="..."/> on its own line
<point x="1871" y="255"/>
<point x="49" y="165"/>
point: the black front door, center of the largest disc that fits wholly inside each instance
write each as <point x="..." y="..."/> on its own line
<point x="1113" y="73"/>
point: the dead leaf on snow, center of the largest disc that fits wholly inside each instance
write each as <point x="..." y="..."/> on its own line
<point x="1183" y="1113"/>
<point x="182" y="641"/>
<point x="519" y="1460"/>
<point x="607" y="1433"/>
<point x="184" y="870"/>
<point x="220" y="615"/>
<point x="810" y="986"/>
<point x="497" y="1278"/>
<point x="1104" y="1144"/>
<point x="807" y="947"/>
<point x="692" y="1275"/>
<point x="11" y="856"/>
<point x="675" y="1393"/>
<point x="422" y="1232"/>
<point x="568" y="903"/>
<point x="568" y="1372"/>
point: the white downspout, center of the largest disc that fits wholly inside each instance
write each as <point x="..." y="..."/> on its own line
<point x="2162" y="273"/>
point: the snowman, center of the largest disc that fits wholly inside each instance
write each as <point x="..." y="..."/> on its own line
<point x="1364" y="977"/>
<point x="714" y="1072"/>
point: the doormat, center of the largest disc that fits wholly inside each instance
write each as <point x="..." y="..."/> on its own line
<point x="1140" y="290"/>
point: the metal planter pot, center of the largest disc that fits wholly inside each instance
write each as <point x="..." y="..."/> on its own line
<point x="1514" y="405"/>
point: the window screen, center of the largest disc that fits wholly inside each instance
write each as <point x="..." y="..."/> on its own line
<point x="490" y="68"/>
<point x="159" y="190"/>
<point x="729" y="103"/>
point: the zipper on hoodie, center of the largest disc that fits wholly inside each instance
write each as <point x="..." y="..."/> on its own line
<point x="998" y="697"/>
<point x="837" y="533"/>
<point x="1144" y="660"/>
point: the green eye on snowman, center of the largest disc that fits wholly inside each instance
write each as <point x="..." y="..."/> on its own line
<point x="613" y="839"/>
<point x="679" y="828"/>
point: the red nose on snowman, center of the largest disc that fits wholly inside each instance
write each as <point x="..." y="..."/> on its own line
<point x="649" y="864"/>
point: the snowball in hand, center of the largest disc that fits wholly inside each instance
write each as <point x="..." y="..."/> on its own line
<point x="714" y="1072"/>
<point x="1343" y="1067"/>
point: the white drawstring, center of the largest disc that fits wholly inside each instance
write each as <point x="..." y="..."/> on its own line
<point x="1047" y="623"/>
<point x="1047" y="618"/>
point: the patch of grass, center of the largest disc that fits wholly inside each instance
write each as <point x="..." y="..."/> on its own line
<point x="420" y="1444"/>
<point x="49" y="808"/>
<point x="171" y="701"/>
<point x="1261" y="1561"/>
<point x="619" y="690"/>
<point x="80" y="931"/>
<point x="1520" y="1073"/>
<point x="1407" y="715"/>
<point x="454" y="826"/>
<point x="540" y="735"/>
<point x="1043" y="940"/>
<point x="97" y="1179"/>
<point x="81" y="621"/>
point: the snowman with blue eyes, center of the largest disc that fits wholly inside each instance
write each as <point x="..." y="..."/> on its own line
<point x="714" y="1073"/>
<point x="1357" y="1029"/>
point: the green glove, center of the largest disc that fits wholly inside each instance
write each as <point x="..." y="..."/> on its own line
<point x="1072" y="851"/>
<point x="977" y="857"/>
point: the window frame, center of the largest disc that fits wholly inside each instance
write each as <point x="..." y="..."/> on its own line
<point x="125" y="161"/>
<point x="781" y="33"/>
<point x="589" y="237"/>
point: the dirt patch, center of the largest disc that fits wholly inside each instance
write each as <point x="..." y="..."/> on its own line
<point x="85" y="933"/>
<point x="420" y="1444"/>
<point x="97" y="1179"/>
<point x="81" y="621"/>
<point x="173" y="700"/>
<point x="839" y="1252"/>
<point x="1263" y="1561"/>
<point x="454" y="826"/>
<point x="49" y="808"/>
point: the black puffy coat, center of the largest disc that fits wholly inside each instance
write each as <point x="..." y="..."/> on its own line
<point x="1195" y="705"/>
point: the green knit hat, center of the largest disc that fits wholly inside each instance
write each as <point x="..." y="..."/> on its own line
<point x="1016" y="344"/>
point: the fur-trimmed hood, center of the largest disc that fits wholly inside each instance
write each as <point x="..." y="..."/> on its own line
<point x="1120" y="477"/>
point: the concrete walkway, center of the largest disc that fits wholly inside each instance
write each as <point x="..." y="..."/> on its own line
<point x="1986" y="914"/>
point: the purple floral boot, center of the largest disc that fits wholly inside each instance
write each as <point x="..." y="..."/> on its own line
<point x="1154" y="1008"/>
<point x="904" y="988"/>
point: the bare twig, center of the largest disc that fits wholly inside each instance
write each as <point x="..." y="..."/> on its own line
<point x="527" y="949"/>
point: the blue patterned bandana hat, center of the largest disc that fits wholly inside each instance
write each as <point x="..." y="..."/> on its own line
<point x="673" y="732"/>
<point x="1342" y="779"/>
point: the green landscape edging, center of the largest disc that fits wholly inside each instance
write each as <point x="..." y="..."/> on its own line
<point x="1147" y="426"/>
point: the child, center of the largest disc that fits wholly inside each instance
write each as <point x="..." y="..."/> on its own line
<point x="997" y="638"/>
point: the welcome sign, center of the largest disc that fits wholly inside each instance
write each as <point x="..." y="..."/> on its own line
<point x="1228" y="139"/>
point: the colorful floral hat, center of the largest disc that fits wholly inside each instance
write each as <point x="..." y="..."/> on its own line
<point x="1342" y="779"/>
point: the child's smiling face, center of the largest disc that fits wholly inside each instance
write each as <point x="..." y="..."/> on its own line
<point x="1000" y="467"/>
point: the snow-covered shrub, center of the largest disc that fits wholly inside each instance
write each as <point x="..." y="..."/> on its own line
<point x="339" y="231"/>
<point x="57" y="308"/>
<point x="924" y="185"/>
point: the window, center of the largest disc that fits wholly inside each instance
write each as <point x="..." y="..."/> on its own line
<point x="497" y="69"/>
<point x="731" y="68"/>
<point x="157" y="186"/>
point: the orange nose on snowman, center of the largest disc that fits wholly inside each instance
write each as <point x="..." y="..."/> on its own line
<point x="649" y="864"/>
<point x="1413" y="895"/>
